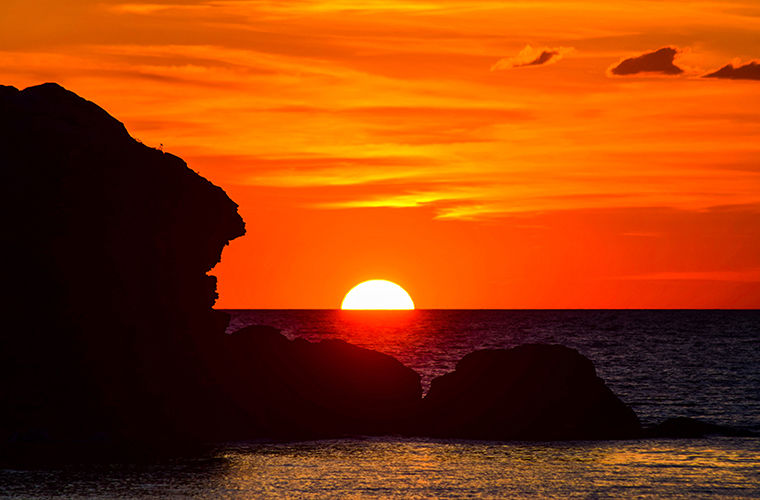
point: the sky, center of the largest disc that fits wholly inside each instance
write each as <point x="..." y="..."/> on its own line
<point x="481" y="154"/>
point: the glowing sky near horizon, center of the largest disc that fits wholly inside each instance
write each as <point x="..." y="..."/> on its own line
<point x="483" y="153"/>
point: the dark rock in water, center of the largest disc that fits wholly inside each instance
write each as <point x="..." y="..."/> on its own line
<point x="298" y="389"/>
<point x="108" y="305"/>
<point x="684" y="427"/>
<point x="530" y="392"/>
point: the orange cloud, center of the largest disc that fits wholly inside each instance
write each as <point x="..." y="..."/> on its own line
<point x="530" y="56"/>
<point x="749" y="71"/>
<point x="659" y="61"/>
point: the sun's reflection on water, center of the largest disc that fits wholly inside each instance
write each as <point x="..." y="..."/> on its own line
<point x="384" y="329"/>
<point x="393" y="467"/>
<point x="431" y="468"/>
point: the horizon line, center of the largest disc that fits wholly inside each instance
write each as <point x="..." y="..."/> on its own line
<point x="493" y="309"/>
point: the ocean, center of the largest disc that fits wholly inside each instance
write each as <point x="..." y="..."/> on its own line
<point x="664" y="363"/>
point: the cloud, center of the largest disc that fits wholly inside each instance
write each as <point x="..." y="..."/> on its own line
<point x="659" y="61"/>
<point x="530" y="56"/>
<point x="750" y="71"/>
<point x="315" y="171"/>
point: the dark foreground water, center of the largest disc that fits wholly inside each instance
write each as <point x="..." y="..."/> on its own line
<point x="408" y="468"/>
<point x="703" y="364"/>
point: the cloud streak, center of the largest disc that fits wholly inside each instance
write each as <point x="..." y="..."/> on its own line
<point x="659" y="61"/>
<point x="749" y="71"/>
<point x="530" y="56"/>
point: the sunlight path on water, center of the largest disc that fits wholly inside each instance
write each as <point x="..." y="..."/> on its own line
<point x="420" y="468"/>
<point x="428" y="468"/>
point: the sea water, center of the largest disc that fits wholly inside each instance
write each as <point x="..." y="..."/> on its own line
<point x="702" y="364"/>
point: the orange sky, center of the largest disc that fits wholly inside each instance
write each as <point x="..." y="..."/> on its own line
<point x="414" y="141"/>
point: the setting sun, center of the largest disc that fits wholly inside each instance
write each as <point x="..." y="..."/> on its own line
<point x="377" y="294"/>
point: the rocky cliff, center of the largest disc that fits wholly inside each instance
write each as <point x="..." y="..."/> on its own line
<point x="106" y="244"/>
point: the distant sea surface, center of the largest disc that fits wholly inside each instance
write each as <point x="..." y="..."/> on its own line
<point x="701" y="364"/>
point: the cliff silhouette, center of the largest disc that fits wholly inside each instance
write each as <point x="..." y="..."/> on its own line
<point x="107" y="245"/>
<point x="111" y="343"/>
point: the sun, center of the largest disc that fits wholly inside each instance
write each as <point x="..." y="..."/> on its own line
<point x="377" y="294"/>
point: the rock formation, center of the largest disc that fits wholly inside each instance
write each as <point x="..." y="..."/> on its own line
<point x="299" y="389"/>
<point x="530" y="392"/>
<point x="106" y="245"/>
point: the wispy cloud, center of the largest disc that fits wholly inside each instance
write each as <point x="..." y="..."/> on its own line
<point x="659" y="61"/>
<point x="749" y="71"/>
<point x="320" y="171"/>
<point x="532" y="56"/>
<point x="145" y="8"/>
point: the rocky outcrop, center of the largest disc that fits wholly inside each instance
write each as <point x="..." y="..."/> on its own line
<point x="106" y="248"/>
<point x="299" y="389"/>
<point x="530" y="392"/>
